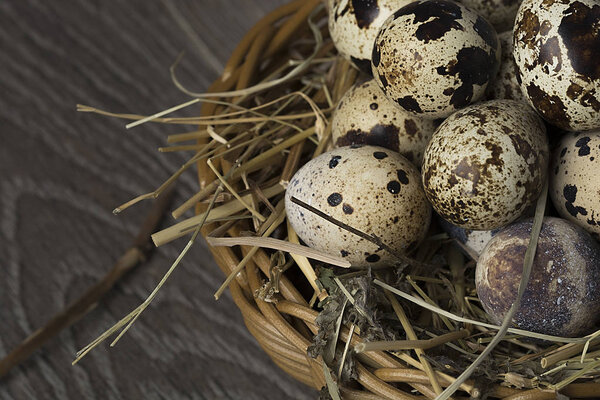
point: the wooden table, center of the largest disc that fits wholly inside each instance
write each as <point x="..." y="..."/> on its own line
<point x="62" y="173"/>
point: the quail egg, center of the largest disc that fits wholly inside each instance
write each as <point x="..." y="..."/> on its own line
<point x="574" y="183"/>
<point x="353" y="25"/>
<point x="500" y="13"/>
<point x="562" y="297"/>
<point x="435" y="56"/>
<point x="370" y="188"/>
<point x="556" y="53"/>
<point x="365" y="115"/>
<point x="506" y="86"/>
<point x="474" y="241"/>
<point x="486" y="164"/>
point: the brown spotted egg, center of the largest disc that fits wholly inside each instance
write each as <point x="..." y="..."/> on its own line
<point x="562" y="297"/>
<point x="574" y="180"/>
<point x="435" y="56"/>
<point x="506" y="86"/>
<point x="366" y="116"/>
<point x="500" y="13"/>
<point x="557" y="44"/>
<point x="486" y="164"/>
<point x="353" y="25"/>
<point x="372" y="189"/>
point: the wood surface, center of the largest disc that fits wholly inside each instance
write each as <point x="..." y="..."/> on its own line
<point x="62" y="173"/>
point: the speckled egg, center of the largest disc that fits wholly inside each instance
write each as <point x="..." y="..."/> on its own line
<point x="500" y="13"/>
<point x="353" y="25"/>
<point x="435" y="56"/>
<point x="575" y="180"/>
<point x="562" y="297"/>
<point x="557" y="43"/>
<point x="474" y="241"/>
<point x="506" y="86"/>
<point x="486" y="164"/>
<point x="365" y="115"/>
<point x="370" y="188"/>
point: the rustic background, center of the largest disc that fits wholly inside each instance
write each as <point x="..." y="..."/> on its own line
<point x="62" y="172"/>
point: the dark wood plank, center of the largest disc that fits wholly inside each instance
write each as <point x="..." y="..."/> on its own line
<point x="62" y="172"/>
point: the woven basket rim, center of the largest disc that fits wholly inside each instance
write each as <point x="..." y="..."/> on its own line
<point x="284" y="330"/>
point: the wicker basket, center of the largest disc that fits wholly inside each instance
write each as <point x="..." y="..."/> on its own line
<point x="285" y="329"/>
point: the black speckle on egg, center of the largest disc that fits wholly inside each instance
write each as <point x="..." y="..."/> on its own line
<point x="409" y="104"/>
<point x="402" y="177"/>
<point x="373" y="106"/>
<point x="372" y="258"/>
<point x="344" y="253"/>
<point x="473" y="66"/>
<point x="334" y="161"/>
<point x="487" y="33"/>
<point x="570" y="194"/>
<point x="334" y="199"/>
<point x="384" y="83"/>
<point x="347" y="208"/>
<point x="435" y="18"/>
<point x="582" y="144"/>
<point x="380" y="155"/>
<point x="393" y="187"/>
<point x="579" y="39"/>
<point x="365" y="12"/>
<point x="375" y="56"/>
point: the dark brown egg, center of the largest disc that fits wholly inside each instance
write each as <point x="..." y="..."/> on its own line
<point x="563" y="294"/>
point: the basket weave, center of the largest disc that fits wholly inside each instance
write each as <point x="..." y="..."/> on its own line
<point x="285" y="329"/>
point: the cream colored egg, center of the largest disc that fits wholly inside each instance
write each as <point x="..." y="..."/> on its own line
<point x="557" y="45"/>
<point x="372" y="189"/>
<point x="353" y="25"/>
<point x="365" y="115"/>
<point x="433" y="57"/>
<point x="575" y="180"/>
<point x="486" y="164"/>
<point x="500" y="13"/>
<point x="506" y="86"/>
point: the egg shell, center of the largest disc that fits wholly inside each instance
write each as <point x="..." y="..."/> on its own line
<point x="506" y="85"/>
<point x="435" y="56"/>
<point x="365" y="115"/>
<point x="556" y="52"/>
<point x="370" y="188"/>
<point x="486" y="164"/>
<point x="500" y="13"/>
<point x="575" y="180"/>
<point x="353" y="25"/>
<point x="562" y="297"/>
<point x="474" y="241"/>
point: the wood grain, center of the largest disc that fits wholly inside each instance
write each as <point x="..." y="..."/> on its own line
<point x="63" y="172"/>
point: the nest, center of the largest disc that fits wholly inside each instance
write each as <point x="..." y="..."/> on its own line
<point x="395" y="333"/>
